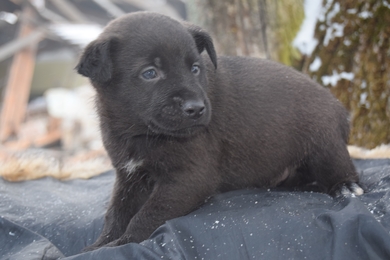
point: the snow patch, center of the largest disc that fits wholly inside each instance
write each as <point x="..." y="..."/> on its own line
<point x="347" y="42"/>
<point x="324" y="9"/>
<point x="335" y="77"/>
<point x="365" y="14"/>
<point x="363" y="98"/>
<point x="381" y="151"/>
<point x="333" y="31"/>
<point x="304" y="40"/>
<point x="364" y="84"/>
<point x="332" y="13"/>
<point x="315" y="65"/>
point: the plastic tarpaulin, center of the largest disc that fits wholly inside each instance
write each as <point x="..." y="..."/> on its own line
<point x="51" y="219"/>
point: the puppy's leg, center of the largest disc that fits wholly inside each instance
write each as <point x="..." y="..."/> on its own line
<point x="333" y="169"/>
<point x="127" y="199"/>
<point x="167" y="201"/>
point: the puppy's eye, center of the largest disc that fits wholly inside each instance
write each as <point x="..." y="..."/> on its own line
<point x="149" y="74"/>
<point x="195" y="69"/>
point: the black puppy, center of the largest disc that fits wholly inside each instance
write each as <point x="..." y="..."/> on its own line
<point x="178" y="129"/>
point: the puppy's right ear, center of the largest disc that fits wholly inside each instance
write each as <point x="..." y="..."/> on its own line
<point x="95" y="62"/>
<point x="203" y="41"/>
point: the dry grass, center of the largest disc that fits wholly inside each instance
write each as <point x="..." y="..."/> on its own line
<point x="38" y="163"/>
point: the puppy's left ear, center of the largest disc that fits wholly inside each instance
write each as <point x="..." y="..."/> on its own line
<point x="203" y="41"/>
<point x="95" y="62"/>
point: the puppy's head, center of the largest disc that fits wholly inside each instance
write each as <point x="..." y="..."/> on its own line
<point x="149" y="74"/>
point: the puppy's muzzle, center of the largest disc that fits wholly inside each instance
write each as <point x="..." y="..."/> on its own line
<point x="193" y="109"/>
<point x="181" y="117"/>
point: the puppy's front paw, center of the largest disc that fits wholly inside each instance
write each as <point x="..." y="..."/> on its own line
<point x="347" y="189"/>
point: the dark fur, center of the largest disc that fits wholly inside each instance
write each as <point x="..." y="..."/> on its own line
<point x="261" y="124"/>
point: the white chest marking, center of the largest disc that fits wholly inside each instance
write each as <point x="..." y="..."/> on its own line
<point x="132" y="166"/>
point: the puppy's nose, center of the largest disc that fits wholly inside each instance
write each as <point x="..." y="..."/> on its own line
<point x="194" y="108"/>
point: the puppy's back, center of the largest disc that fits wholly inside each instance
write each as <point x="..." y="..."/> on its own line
<point x="261" y="92"/>
<point x="272" y="115"/>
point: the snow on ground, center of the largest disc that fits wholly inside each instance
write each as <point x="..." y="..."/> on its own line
<point x="381" y="151"/>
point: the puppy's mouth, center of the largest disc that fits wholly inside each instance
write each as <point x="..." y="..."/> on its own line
<point x="181" y="132"/>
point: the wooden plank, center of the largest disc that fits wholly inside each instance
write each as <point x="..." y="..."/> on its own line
<point x="19" y="81"/>
<point x="36" y="138"/>
<point x="70" y="11"/>
<point x="111" y="8"/>
<point x="40" y="141"/>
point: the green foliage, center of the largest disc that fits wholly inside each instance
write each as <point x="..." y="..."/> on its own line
<point x="289" y="17"/>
